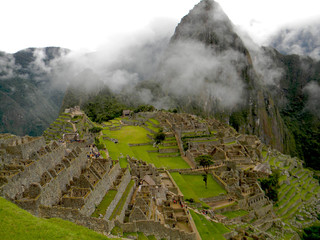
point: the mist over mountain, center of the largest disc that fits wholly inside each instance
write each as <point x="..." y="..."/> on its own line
<point x="302" y="40"/>
<point x="29" y="99"/>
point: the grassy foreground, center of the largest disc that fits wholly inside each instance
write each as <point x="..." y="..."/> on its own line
<point x="17" y="224"/>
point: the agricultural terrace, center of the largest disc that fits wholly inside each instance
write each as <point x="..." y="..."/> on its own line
<point x="138" y="135"/>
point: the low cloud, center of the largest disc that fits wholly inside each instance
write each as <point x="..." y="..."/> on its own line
<point x="7" y="66"/>
<point x="268" y="71"/>
<point x="189" y="68"/>
<point x="312" y="89"/>
<point x="302" y="40"/>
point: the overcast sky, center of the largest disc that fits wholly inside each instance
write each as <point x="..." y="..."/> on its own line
<point x="89" y="24"/>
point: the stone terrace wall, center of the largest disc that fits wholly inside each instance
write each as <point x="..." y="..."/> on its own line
<point x="32" y="173"/>
<point x="52" y="191"/>
<point x="120" y="190"/>
<point x="73" y="215"/>
<point x="121" y="216"/>
<point x="99" y="191"/>
<point x="24" y="149"/>
<point x="156" y="228"/>
<point x="220" y="182"/>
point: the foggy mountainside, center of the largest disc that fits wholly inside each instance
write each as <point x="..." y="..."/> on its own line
<point x="205" y="67"/>
<point x="29" y="101"/>
<point x="302" y="40"/>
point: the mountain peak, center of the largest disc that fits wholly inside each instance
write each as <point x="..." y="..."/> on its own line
<point x="208" y="23"/>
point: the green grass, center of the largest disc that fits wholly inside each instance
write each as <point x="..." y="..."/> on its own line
<point x="17" y="224"/>
<point x="208" y="230"/>
<point x="141" y="236"/>
<point x="104" y="204"/>
<point x="192" y="186"/>
<point x="234" y="214"/>
<point x="140" y="152"/>
<point x="136" y="134"/>
<point x="154" y="121"/>
<point x="152" y="237"/>
<point x="168" y="162"/>
<point x="126" y="135"/>
<point x="264" y="153"/>
<point x="150" y="126"/>
<point x="121" y="202"/>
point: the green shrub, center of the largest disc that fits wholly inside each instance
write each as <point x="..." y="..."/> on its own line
<point x="160" y="137"/>
<point x="95" y="129"/>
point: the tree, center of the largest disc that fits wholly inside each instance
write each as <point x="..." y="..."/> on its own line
<point x="205" y="179"/>
<point x="205" y="161"/>
<point x="311" y="233"/>
<point x="271" y="185"/>
<point x="160" y="136"/>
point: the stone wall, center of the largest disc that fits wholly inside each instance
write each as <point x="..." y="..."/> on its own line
<point x="99" y="191"/>
<point x="26" y="147"/>
<point x="220" y="182"/>
<point x="168" y="150"/>
<point x="73" y="215"/>
<point x="121" y="216"/>
<point x="262" y="211"/>
<point x="190" y="157"/>
<point x="32" y="173"/>
<point x="215" y="199"/>
<point x="52" y="191"/>
<point x="120" y="190"/>
<point x="160" y="231"/>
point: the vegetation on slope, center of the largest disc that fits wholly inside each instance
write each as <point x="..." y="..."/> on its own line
<point x="18" y="224"/>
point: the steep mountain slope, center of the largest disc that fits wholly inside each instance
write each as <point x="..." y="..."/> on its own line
<point x="207" y="67"/>
<point x="299" y="89"/>
<point x="29" y="102"/>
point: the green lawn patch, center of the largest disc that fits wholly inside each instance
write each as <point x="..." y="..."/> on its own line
<point x="208" y="230"/>
<point x="121" y="202"/>
<point x="140" y="152"/>
<point x="18" y="224"/>
<point x="154" y="121"/>
<point x="150" y="126"/>
<point x="141" y="236"/>
<point x="234" y="214"/>
<point x="104" y="204"/>
<point x="134" y="135"/>
<point x="192" y="186"/>
<point x="168" y="162"/>
<point x="126" y="135"/>
<point x="152" y="237"/>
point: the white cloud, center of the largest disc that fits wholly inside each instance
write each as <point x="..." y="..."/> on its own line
<point x="84" y="24"/>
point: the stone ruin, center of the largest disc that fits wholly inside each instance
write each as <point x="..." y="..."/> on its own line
<point x="61" y="179"/>
<point x="51" y="180"/>
<point x="157" y="201"/>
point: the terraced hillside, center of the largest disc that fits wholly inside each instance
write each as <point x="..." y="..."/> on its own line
<point x="68" y="123"/>
<point x="135" y="138"/>
<point x="299" y="193"/>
